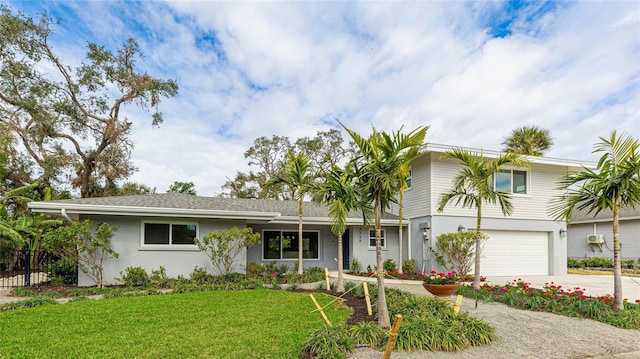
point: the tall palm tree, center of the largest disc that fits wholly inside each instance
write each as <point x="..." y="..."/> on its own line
<point x="614" y="185"/>
<point x="298" y="179"/>
<point x="338" y="190"/>
<point x="473" y="187"/>
<point x="381" y="158"/>
<point x="528" y="140"/>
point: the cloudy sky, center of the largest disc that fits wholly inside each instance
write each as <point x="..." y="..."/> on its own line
<point x="472" y="71"/>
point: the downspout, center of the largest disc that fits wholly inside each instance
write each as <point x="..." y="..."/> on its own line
<point x="64" y="214"/>
<point x="409" y="241"/>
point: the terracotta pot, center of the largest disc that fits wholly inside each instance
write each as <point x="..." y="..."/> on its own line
<point x="441" y="290"/>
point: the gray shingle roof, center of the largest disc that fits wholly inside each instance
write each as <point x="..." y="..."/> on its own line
<point x="184" y="201"/>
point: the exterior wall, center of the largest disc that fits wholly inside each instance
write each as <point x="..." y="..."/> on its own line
<point x="542" y="183"/>
<point x="629" y="239"/>
<point x="425" y="261"/>
<point x="367" y="255"/>
<point x="417" y="199"/>
<point x="127" y="243"/>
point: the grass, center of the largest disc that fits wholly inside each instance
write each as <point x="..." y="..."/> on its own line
<point x="218" y="324"/>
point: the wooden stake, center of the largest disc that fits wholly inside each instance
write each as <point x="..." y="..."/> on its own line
<point x="392" y="336"/>
<point x="365" y="288"/>
<point x="456" y="308"/>
<point x="320" y="309"/>
<point x="326" y="277"/>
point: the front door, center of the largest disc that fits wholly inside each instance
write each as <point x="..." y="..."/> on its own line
<point x="345" y="250"/>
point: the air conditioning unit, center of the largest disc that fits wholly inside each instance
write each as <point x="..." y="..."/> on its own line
<point x="595" y="238"/>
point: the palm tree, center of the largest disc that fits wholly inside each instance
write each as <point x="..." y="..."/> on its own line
<point x="403" y="175"/>
<point x="299" y="179"/>
<point x="528" y="140"/>
<point x="473" y="187"/>
<point x="381" y="158"/>
<point x="614" y="185"/>
<point x="338" y="190"/>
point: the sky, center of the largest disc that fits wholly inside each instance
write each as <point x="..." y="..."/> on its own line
<point x="471" y="70"/>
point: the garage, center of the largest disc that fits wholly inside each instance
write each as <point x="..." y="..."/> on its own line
<point x="515" y="253"/>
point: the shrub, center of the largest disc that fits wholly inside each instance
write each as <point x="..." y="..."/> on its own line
<point x="159" y="278"/>
<point x="367" y="333"/>
<point x="200" y="276"/>
<point x="329" y="342"/>
<point x="573" y="263"/>
<point x="408" y="266"/>
<point x="63" y="271"/>
<point x="389" y="265"/>
<point x="23" y="292"/>
<point x="224" y="247"/>
<point x="457" y="251"/>
<point x="356" y="266"/>
<point x="135" y="277"/>
<point x="254" y="270"/>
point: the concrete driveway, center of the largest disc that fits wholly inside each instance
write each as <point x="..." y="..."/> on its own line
<point x="594" y="285"/>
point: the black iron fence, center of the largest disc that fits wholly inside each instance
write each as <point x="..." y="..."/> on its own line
<point x="27" y="268"/>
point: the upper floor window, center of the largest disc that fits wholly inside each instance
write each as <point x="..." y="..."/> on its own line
<point x="409" y="179"/>
<point x="163" y="233"/>
<point x="511" y="181"/>
<point x="372" y="238"/>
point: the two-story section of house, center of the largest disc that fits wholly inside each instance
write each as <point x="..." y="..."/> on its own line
<point x="528" y="242"/>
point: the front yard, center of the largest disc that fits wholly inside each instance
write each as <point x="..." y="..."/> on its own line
<point x="215" y="324"/>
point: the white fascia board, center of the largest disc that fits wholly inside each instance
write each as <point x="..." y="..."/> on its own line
<point x="56" y="208"/>
<point x="327" y="221"/>
<point x="573" y="164"/>
<point x="602" y="220"/>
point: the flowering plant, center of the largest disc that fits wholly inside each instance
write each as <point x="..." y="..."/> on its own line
<point x="441" y="278"/>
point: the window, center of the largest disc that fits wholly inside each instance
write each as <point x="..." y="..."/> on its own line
<point x="409" y="179"/>
<point x="278" y="244"/>
<point x="168" y="234"/>
<point x="372" y="238"/>
<point x="511" y="181"/>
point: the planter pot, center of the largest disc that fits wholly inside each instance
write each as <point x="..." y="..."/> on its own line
<point x="441" y="290"/>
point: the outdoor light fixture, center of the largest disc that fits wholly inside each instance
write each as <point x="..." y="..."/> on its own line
<point x="462" y="228"/>
<point x="563" y="233"/>
<point x="424" y="228"/>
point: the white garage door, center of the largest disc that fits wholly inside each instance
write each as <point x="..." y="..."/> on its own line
<point x="515" y="253"/>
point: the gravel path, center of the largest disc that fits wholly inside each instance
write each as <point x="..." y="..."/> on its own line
<point x="528" y="334"/>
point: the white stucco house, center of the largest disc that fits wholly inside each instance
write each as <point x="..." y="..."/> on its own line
<point x="156" y="230"/>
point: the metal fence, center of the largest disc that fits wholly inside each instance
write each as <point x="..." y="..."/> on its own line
<point x="26" y="269"/>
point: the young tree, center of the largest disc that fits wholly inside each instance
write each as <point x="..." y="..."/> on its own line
<point x="381" y="157"/>
<point x="457" y="251"/>
<point x="90" y="247"/>
<point x="69" y="120"/>
<point x="297" y="179"/>
<point x="473" y="186"/>
<point x="182" y="187"/>
<point x="223" y="247"/>
<point x="614" y="185"/>
<point x="338" y="190"/>
<point x="528" y="140"/>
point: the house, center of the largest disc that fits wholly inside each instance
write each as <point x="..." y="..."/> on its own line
<point x="591" y="235"/>
<point x="529" y="242"/>
<point x="158" y="230"/>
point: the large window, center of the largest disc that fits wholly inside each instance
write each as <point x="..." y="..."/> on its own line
<point x="511" y="181"/>
<point x="284" y="245"/>
<point x="169" y="234"/>
<point x="372" y="238"/>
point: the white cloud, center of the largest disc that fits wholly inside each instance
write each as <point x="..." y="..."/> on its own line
<point x="255" y="69"/>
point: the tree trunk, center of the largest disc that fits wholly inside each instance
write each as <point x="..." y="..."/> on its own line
<point x="476" y="276"/>
<point x="300" y="270"/>
<point x="383" y="312"/>
<point x="618" y="300"/>
<point x="340" y="269"/>
<point x="400" y="231"/>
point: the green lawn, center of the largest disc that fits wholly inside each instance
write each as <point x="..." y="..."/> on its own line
<point x="218" y="324"/>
